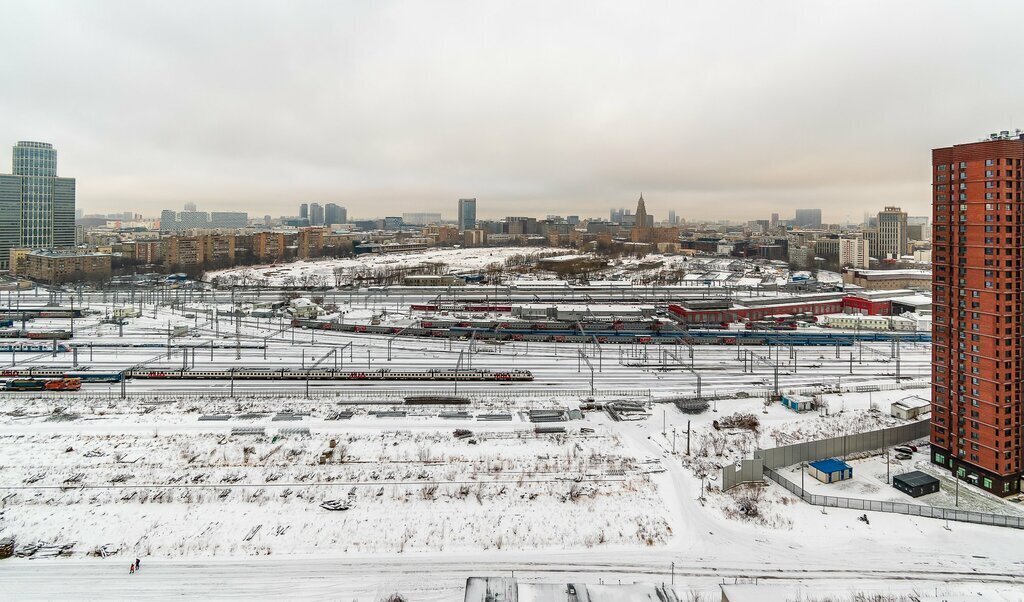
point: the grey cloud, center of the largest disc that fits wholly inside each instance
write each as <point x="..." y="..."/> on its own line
<point x="716" y="110"/>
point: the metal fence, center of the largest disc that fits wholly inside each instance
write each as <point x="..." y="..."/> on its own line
<point x="831" y="501"/>
<point x="810" y="451"/>
<point x="765" y="462"/>
<point x="746" y="471"/>
<point x="901" y="386"/>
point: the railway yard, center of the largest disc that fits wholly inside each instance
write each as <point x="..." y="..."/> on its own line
<point x="183" y="421"/>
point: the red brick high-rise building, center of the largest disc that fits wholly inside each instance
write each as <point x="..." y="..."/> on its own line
<point x="977" y="347"/>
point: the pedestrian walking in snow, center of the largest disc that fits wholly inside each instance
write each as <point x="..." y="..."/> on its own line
<point x="131" y="569"/>
<point x="137" y="563"/>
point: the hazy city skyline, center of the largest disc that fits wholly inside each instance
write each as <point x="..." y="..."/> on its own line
<point x="533" y="108"/>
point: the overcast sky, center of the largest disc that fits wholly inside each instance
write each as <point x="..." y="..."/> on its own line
<point x="724" y="109"/>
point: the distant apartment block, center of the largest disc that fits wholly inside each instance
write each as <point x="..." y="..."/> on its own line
<point x="808" y="218"/>
<point x="335" y="215"/>
<point x="144" y="251"/>
<point x="854" y="252"/>
<point x="443" y="235"/>
<point x="474" y="238"/>
<point x="219" y="249"/>
<point x="183" y="251"/>
<point x="892" y="233"/>
<point x="16" y="260"/>
<point x="193" y="220"/>
<point x="316" y="214"/>
<point x="56" y="267"/>
<point x="268" y="246"/>
<point x="229" y="219"/>
<point x="421" y="219"/>
<point x="310" y="242"/>
<point x="170" y="221"/>
<point x="199" y="250"/>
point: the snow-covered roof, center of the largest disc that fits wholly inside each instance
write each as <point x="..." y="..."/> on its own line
<point x="915" y="300"/>
<point x="913" y="402"/>
<point x="893" y="274"/>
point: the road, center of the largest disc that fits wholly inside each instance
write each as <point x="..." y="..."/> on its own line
<point x="442" y="576"/>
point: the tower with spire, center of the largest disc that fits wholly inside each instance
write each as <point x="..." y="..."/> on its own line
<point x="641" y="231"/>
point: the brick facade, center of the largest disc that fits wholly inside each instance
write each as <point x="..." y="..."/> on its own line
<point x="976" y="332"/>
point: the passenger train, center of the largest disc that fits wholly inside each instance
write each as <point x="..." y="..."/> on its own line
<point x="20" y="347"/>
<point x="383" y="374"/>
<point x="640" y="333"/>
<point x="14" y="333"/>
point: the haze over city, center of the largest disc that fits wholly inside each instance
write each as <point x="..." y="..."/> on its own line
<point x="717" y="111"/>
<point x="478" y="301"/>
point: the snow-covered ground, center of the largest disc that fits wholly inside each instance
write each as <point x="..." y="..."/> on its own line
<point x="509" y="263"/>
<point x="333" y="272"/>
<point x="210" y="493"/>
<point x="873" y="482"/>
<point x="241" y="516"/>
<point x="635" y="512"/>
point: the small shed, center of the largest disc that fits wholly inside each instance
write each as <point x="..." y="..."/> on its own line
<point x="831" y="470"/>
<point x="915" y="483"/>
<point x="798" y="403"/>
<point x="910" y="408"/>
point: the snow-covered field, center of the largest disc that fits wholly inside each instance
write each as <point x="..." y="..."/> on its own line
<point x="200" y="505"/>
<point x="241" y="515"/>
<point x="333" y="272"/>
<point x="508" y="263"/>
<point x="210" y="493"/>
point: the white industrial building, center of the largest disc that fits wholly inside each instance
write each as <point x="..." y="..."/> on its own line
<point x="583" y="313"/>
<point x="910" y="408"/>
<point x="861" y="322"/>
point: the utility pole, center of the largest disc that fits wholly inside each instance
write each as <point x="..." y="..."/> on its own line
<point x="897" y="359"/>
<point x="238" y="340"/>
<point x="687" y="437"/>
<point x="886" y="466"/>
